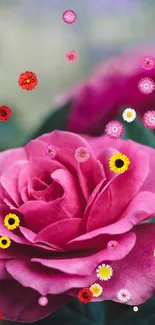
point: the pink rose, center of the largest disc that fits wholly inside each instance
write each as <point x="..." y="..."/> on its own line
<point x="69" y="208"/>
<point x="113" y="86"/>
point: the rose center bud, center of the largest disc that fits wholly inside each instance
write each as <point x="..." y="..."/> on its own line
<point x="3" y="113"/>
<point x="85" y="295"/>
<point x="119" y="163"/>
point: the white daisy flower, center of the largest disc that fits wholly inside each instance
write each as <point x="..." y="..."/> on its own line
<point x="135" y="308"/>
<point x="123" y="295"/>
<point x="129" y="115"/>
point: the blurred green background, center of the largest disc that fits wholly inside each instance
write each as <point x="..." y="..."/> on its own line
<point x="34" y="37"/>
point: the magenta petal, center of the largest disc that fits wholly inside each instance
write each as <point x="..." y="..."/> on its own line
<point x="40" y="279"/>
<point x="9" y="157"/>
<point x="3" y="272"/>
<point x="86" y="265"/>
<point x="120" y="145"/>
<point x="136" y="272"/>
<point x="104" y="157"/>
<point x="9" y="181"/>
<point x="26" y="309"/>
<point x="61" y="232"/>
<point x="67" y="143"/>
<point x="141" y="208"/>
<point x="5" y="232"/>
<point x="108" y="206"/>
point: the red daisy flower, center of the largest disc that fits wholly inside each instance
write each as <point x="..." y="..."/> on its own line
<point x="0" y="315"/>
<point x="28" y="80"/>
<point x="85" y="295"/>
<point x="5" y="113"/>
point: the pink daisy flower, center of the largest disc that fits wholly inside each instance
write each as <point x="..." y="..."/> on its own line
<point x="112" y="244"/>
<point x="71" y="56"/>
<point x="149" y="119"/>
<point x="69" y="16"/>
<point x="114" y="129"/>
<point x="49" y="151"/>
<point x="43" y="301"/>
<point x="123" y="295"/>
<point x="82" y="154"/>
<point x="148" y="63"/>
<point x="146" y="85"/>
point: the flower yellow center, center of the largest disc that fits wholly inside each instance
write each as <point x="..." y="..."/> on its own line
<point x="82" y="154"/>
<point x="129" y="114"/>
<point x="28" y="81"/>
<point x="104" y="272"/>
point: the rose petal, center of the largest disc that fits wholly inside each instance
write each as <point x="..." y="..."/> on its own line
<point x="39" y="214"/>
<point x="136" y="272"/>
<point x="10" y="156"/>
<point x="108" y="206"/>
<point x="3" y="272"/>
<point x="121" y="145"/>
<point x="135" y="213"/>
<point x="86" y="265"/>
<point x="61" y="232"/>
<point x="26" y="309"/>
<point x="43" y="281"/>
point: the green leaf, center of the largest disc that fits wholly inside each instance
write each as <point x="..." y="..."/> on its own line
<point x="55" y="121"/>
<point x="137" y="132"/>
<point x="144" y="316"/>
<point x="102" y="313"/>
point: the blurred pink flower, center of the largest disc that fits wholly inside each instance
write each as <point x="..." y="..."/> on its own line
<point x="113" y="86"/>
<point x="71" y="56"/>
<point x="148" y="63"/>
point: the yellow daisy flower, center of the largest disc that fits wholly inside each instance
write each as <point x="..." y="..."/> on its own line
<point x="11" y="221"/>
<point x="104" y="272"/>
<point x="119" y="163"/>
<point x="96" y="289"/>
<point x="5" y="242"/>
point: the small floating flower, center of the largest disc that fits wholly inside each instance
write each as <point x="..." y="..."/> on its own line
<point x="129" y="115"/>
<point x="11" y="221"/>
<point x="5" y="113"/>
<point x="148" y="63"/>
<point x="146" y="85"/>
<point x="5" y="242"/>
<point x="114" y="129"/>
<point x="149" y="119"/>
<point x="104" y="272"/>
<point x="123" y="295"/>
<point x="49" y="151"/>
<point x="43" y="301"/>
<point x="82" y="154"/>
<point x="28" y="80"/>
<point x="119" y="163"/>
<point x="135" y="308"/>
<point x="96" y="290"/>
<point x="71" y="56"/>
<point x="85" y="295"/>
<point x="69" y="16"/>
<point x="112" y="244"/>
